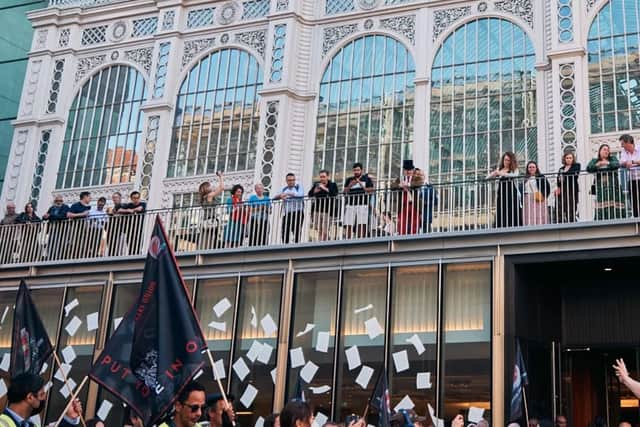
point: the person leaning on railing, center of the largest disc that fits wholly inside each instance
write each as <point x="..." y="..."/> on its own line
<point x="630" y="159"/>
<point x="209" y="222"/>
<point x="29" y="234"/>
<point x="292" y="196"/>
<point x="567" y="190"/>
<point x="324" y="206"/>
<point x="508" y="211"/>
<point x="134" y="221"/>
<point x="79" y="229"/>
<point x="234" y="230"/>
<point x="56" y="215"/>
<point x="408" y="199"/>
<point x="535" y="190"/>
<point x="609" y="198"/>
<point x="260" y="207"/>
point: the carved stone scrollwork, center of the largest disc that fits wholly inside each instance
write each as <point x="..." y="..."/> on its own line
<point x="282" y="5"/>
<point x="41" y="38"/>
<point x="86" y="64"/>
<point x="140" y="56"/>
<point x="149" y="156"/>
<point x="193" y="47"/>
<point x="333" y="35"/>
<point x="442" y="19"/>
<point x="15" y="167"/>
<point x="253" y="39"/>
<point x="168" y="20"/>
<point x="31" y="87"/>
<point x="405" y="25"/>
<point x="174" y="186"/>
<point x="590" y="4"/>
<point x="520" y="8"/>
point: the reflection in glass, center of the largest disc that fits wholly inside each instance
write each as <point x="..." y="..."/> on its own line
<point x="614" y="67"/>
<point x="104" y="130"/>
<point x="260" y="295"/>
<point x="217" y="116"/>
<point x="414" y="312"/>
<point x="365" y="109"/>
<point x="482" y="100"/>
<point x="315" y="303"/>
<point x="467" y="338"/>
<point x="360" y="289"/>
<point x="83" y="342"/>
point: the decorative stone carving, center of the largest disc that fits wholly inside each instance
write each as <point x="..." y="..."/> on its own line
<point x="54" y="89"/>
<point x="193" y="47"/>
<point x="41" y="38"/>
<point x="38" y="171"/>
<point x="175" y="186"/>
<point x="119" y="30"/>
<point x="405" y="25"/>
<point x="277" y="53"/>
<point x="253" y="39"/>
<point x="282" y="5"/>
<point x="115" y="55"/>
<point x="168" y="20"/>
<point x="70" y="195"/>
<point x="88" y="63"/>
<point x="149" y="156"/>
<point x="16" y="166"/>
<point x="520" y="8"/>
<point x="482" y="6"/>
<point x="161" y="70"/>
<point x="590" y="4"/>
<point x="368" y="24"/>
<point x="442" y="19"/>
<point x="31" y="87"/>
<point x="268" y="149"/>
<point x="228" y="13"/>
<point x="333" y="35"/>
<point x="224" y="39"/>
<point x="368" y="4"/>
<point x="140" y="56"/>
<point x="63" y="37"/>
<point x="568" y="136"/>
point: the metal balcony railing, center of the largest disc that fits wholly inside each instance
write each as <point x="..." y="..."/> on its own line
<point x="493" y="204"/>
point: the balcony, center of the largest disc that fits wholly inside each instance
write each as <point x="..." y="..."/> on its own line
<point x="482" y="207"/>
<point x="80" y="3"/>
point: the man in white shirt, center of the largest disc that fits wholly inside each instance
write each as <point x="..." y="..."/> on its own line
<point x="292" y="197"/>
<point x="630" y="159"/>
<point x="97" y="220"/>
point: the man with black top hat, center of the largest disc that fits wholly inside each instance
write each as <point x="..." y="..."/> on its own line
<point x="408" y="202"/>
<point x="219" y="413"/>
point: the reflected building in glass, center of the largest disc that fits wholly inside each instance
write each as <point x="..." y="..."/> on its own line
<point x="160" y="96"/>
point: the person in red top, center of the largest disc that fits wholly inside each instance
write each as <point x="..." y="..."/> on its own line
<point x="238" y="215"/>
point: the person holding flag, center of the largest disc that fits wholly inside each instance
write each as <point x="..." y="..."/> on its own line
<point x="219" y="412"/>
<point x="381" y="401"/>
<point x="520" y="380"/>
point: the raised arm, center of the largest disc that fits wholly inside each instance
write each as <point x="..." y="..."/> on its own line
<point x="623" y="375"/>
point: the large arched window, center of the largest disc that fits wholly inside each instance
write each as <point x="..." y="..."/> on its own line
<point x="482" y="100"/>
<point x="104" y="130"/>
<point x="217" y="116"/>
<point x="365" y="109"/>
<point x="614" y="67"/>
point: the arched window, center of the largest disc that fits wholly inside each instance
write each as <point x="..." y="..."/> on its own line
<point x="104" y="130"/>
<point x="483" y="100"/>
<point x="614" y="67"/>
<point x="365" y="109"/>
<point x="217" y="116"/>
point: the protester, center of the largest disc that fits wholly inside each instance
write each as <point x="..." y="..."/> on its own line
<point x="535" y="190"/>
<point x="115" y="226"/>
<point x="609" y="198"/>
<point x="508" y="211"/>
<point x="292" y="196"/>
<point x="260" y="207"/>
<point x="296" y="413"/>
<point x="630" y="159"/>
<point x="131" y="419"/>
<point x="324" y="206"/>
<point x="409" y="204"/>
<point x="208" y="194"/>
<point x="134" y="221"/>
<point x="356" y="212"/>
<point x="238" y="217"/>
<point x="27" y="397"/>
<point x="458" y="421"/>
<point x="219" y="413"/>
<point x="567" y="190"/>
<point x="189" y="406"/>
<point x="97" y="221"/>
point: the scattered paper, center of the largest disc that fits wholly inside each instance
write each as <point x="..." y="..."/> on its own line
<point x="220" y="373"/>
<point x="322" y="343"/>
<point x="364" y="377"/>
<point x="307" y="329"/>
<point x="248" y="396"/>
<point x="4" y="313"/>
<point x="116" y="322"/>
<point x="45" y="365"/>
<point x="6" y="361"/>
<point x="361" y="309"/>
<point x="268" y="325"/>
<point x="254" y="317"/>
<point x="475" y="414"/>
<point x="353" y="357"/>
<point x="73" y="304"/>
<point x="48" y="386"/>
<point x="218" y="326"/>
<point x="297" y="357"/>
<point x="260" y="422"/>
<point x="62" y="372"/>
<point x="254" y="350"/>
<point x="320" y="390"/>
<point x="92" y="321"/>
<point x="68" y="354"/>
<point x="405" y="403"/>
<point x="320" y="420"/>
<point x="3" y="388"/>
<point x="417" y="343"/>
<point x="274" y="372"/>
<point x="241" y="369"/>
<point x="35" y="420"/>
<point x="68" y="388"/>
<point x="198" y="374"/>
<point x="221" y="307"/>
<point x="265" y="353"/>
<point x="423" y="380"/>
<point x="401" y="361"/>
<point x="308" y="372"/>
<point x="373" y="328"/>
<point x="105" y="408"/>
<point x="73" y="325"/>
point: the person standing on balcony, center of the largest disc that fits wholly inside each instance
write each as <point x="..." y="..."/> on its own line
<point x="324" y="206"/>
<point x="567" y="190"/>
<point x="609" y="199"/>
<point x="238" y="215"/>
<point x="535" y="190"/>
<point x="79" y="229"/>
<point x="115" y="226"/>
<point x="10" y="215"/>
<point x="134" y="222"/>
<point x="8" y="235"/>
<point x="208" y="238"/>
<point x="260" y="207"/>
<point x="56" y="215"/>
<point x="508" y="212"/>
<point x="97" y="222"/>
<point x="29" y="239"/>
<point x="357" y="189"/>
<point x="630" y="159"/>
<point x="408" y="200"/>
<point x="292" y="196"/>
<point x="429" y="201"/>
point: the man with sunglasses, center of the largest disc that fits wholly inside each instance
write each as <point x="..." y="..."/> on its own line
<point x="26" y="397"/>
<point x="189" y="406"/>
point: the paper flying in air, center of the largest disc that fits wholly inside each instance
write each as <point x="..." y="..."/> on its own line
<point x="401" y="361"/>
<point x="475" y="414"/>
<point x="220" y="373"/>
<point x="92" y="321"/>
<point x="6" y="361"/>
<point x="417" y="343"/>
<point x="322" y="343"/>
<point x="268" y="325"/>
<point x="73" y="326"/>
<point x="361" y="309"/>
<point x="254" y="350"/>
<point x="73" y="304"/>
<point x="221" y="307"/>
<point x="373" y="328"/>
<point x="297" y="357"/>
<point x="68" y="388"/>
<point x="274" y="372"/>
<point x="423" y="380"/>
<point x="320" y="420"/>
<point x="62" y="372"/>
<point x="320" y="390"/>
<point x="116" y="322"/>
<point x="259" y="422"/>
<point x="254" y="317"/>
<point x="265" y="353"/>
<point x="353" y="357"/>
<point x="405" y="403"/>
<point x="307" y="329"/>
<point x="241" y="369"/>
<point x="364" y="377"/>
<point x="105" y="408"/>
<point x="68" y="354"/>
<point x="218" y="326"/>
<point x="308" y="372"/>
<point x="248" y="396"/>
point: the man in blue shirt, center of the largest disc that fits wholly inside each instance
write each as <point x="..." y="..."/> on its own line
<point x="293" y="200"/>
<point x="78" y="229"/>
<point x="58" y="242"/>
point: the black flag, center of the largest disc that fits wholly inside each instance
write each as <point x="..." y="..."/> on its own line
<point x="298" y="393"/>
<point x="30" y="344"/>
<point x="158" y="346"/>
<point x="381" y="401"/>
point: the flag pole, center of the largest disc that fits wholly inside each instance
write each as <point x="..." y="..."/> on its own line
<point x="66" y="380"/>
<point x="73" y="397"/>
<point x="366" y="412"/>
<point x="217" y="378"/>
<point x="526" y="409"/>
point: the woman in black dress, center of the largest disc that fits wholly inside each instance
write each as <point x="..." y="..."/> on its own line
<point x="567" y="191"/>
<point x="508" y="210"/>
